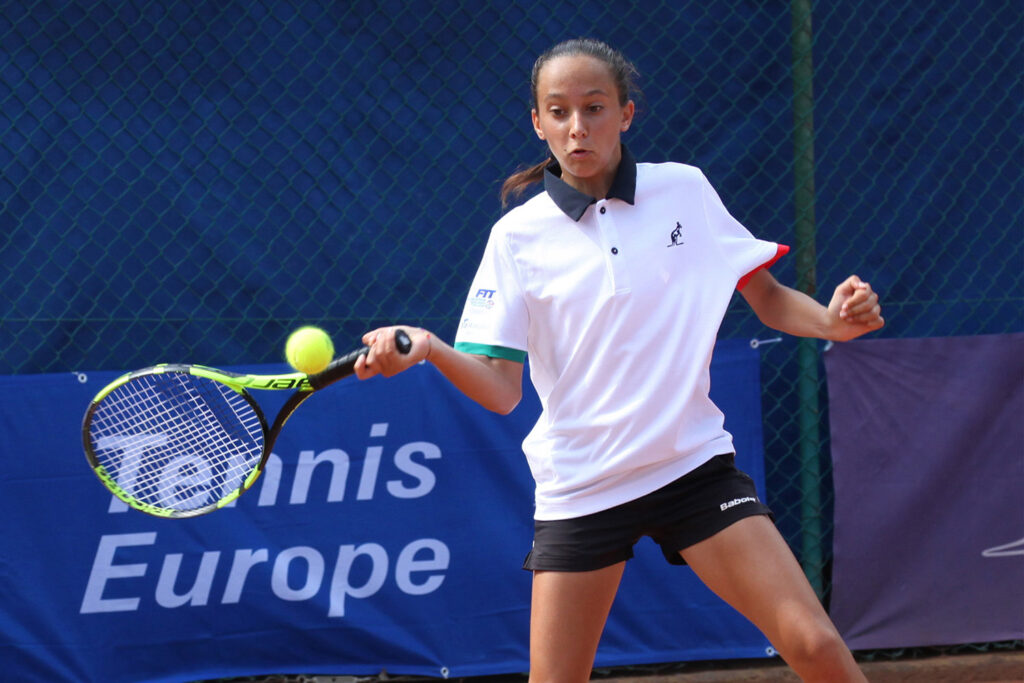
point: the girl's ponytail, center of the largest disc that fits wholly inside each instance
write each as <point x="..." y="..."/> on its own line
<point x="516" y="184"/>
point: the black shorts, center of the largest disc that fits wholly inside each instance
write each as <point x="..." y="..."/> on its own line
<point x="691" y="509"/>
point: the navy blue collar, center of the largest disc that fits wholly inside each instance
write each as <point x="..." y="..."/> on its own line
<point x="574" y="203"/>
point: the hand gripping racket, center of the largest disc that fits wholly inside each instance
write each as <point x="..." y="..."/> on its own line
<point x="184" y="440"/>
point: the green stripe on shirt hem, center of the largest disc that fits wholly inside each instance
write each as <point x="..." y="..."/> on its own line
<point x="492" y="351"/>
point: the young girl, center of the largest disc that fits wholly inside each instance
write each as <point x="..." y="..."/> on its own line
<point x="614" y="281"/>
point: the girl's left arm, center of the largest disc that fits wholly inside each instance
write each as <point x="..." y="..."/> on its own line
<point x="854" y="309"/>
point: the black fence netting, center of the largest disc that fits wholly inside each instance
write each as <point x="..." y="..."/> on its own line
<point x="190" y="181"/>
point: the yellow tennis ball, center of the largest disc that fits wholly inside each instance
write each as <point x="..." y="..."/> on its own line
<point x="309" y="350"/>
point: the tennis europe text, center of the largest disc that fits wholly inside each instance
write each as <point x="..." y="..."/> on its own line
<point x="134" y="568"/>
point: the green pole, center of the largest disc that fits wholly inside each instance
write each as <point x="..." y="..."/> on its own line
<point x="804" y="235"/>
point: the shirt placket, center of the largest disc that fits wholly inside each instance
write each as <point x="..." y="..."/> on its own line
<point x="615" y="252"/>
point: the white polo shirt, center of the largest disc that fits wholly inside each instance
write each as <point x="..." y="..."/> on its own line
<point x="617" y="302"/>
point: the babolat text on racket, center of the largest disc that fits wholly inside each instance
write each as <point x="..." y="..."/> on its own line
<point x="184" y="440"/>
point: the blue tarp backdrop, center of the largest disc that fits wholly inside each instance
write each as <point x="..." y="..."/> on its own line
<point x="387" y="533"/>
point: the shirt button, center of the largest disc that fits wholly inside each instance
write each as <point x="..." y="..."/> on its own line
<point x="615" y="250"/>
<point x="603" y="209"/>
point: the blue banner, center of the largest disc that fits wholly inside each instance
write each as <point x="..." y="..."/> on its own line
<point x="387" y="533"/>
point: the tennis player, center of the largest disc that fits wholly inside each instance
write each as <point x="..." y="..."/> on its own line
<point x="614" y="281"/>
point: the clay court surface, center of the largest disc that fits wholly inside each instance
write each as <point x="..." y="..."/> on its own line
<point x="991" y="667"/>
<point x="1004" y="667"/>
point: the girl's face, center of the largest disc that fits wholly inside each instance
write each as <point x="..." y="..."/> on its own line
<point x="578" y="114"/>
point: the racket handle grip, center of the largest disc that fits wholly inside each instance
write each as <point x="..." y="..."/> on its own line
<point x="344" y="366"/>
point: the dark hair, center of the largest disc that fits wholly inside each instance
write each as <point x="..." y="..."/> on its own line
<point x="623" y="73"/>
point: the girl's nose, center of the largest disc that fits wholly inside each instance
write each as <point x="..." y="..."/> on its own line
<point x="576" y="127"/>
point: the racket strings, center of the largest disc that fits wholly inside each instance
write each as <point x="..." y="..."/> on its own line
<point x="176" y="441"/>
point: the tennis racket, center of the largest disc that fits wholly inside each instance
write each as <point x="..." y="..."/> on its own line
<point x="183" y="440"/>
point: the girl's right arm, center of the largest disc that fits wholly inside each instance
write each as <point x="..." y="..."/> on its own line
<point x="494" y="383"/>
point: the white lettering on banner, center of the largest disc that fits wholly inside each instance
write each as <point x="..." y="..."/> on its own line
<point x="425" y="476"/>
<point x="340" y="586"/>
<point x="240" y="566"/>
<point x="368" y="480"/>
<point x="439" y="556"/>
<point x="418" y="570"/>
<point x="132" y="447"/>
<point x="308" y="460"/>
<point x="314" y="573"/>
<point x="199" y="594"/>
<point x="416" y="479"/>
<point x="104" y="569"/>
<point x="183" y="468"/>
<point x="407" y="564"/>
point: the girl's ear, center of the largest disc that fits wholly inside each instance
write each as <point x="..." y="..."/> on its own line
<point x="536" y="123"/>
<point x="627" y="115"/>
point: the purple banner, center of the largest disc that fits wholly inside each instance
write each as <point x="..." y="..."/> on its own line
<point x="928" y="450"/>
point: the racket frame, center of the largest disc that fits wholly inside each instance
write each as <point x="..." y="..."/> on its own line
<point x="303" y="384"/>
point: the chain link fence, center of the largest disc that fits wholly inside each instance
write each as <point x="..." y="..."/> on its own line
<point x="190" y="181"/>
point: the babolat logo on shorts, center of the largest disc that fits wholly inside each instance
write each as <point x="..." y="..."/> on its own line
<point x="737" y="501"/>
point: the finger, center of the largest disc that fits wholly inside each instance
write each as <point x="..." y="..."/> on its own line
<point x="861" y="299"/>
<point x="850" y="285"/>
<point x="362" y="371"/>
<point x="370" y="358"/>
<point x="384" y="354"/>
<point x="843" y="293"/>
<point x="864" y="288"/>
<point x="857" y="297"/>
<point x="389" y="344"/>
<point x="861" y="302"/>
<point x="871" y="318"/>
<point x="871" y="304"/>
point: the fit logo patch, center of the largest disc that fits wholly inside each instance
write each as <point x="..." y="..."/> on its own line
<point x="484" y="298"/>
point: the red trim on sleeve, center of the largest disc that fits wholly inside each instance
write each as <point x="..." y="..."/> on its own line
<point x="780" y="251"/>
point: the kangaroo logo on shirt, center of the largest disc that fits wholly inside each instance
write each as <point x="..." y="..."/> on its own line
<point x="677" y="236"/>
